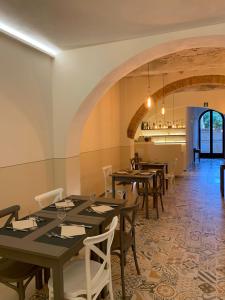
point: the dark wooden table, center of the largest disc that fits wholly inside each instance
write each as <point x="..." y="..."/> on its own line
<point x="156" y="165"/>
<point x="53" y="255"/>
<point x="135" y="176"/>
<point x="222" y="168"/>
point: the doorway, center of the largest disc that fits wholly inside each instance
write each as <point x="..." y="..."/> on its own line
<point x="211" y="134"/>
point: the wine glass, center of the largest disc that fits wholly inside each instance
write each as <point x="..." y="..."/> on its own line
<point x="92" y="198"/>
<point x="61" y="214"/>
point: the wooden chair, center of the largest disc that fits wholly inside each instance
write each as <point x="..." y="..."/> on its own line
<point x="155" y="192"/>
<point x="87" y="277"/>
<point x="14" y="274"/>
<point x="124" y="239"/>
<point x="53" y="196"/>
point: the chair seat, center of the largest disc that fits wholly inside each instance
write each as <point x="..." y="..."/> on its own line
<point x="75" y="278"/>
<point x="127" y="241"/>
<point x="12" y="271"/>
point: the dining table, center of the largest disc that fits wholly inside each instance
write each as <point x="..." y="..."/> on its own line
<point x="142" y="176"/>
<point x="143" y="165"/>
<point x="45" y="247"/>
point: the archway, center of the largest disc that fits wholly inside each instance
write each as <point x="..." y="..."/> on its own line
<point x="211" y="134"/>
<point x="169" y="89"/>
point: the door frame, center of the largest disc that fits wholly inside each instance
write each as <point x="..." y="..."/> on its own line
<point x="211" y="154"/>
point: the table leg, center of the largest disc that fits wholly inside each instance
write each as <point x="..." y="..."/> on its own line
<point x="146" y="198"/>
<point x="113" y="188"/>
<point x="155" y="203"/>
<point x="163" y="181"/>
<point x="58" y="285"/>
<point x="167" y="173"/>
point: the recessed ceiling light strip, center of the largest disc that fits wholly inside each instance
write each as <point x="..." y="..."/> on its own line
<point x="51" y="51"/>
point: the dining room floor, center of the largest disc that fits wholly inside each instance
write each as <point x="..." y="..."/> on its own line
<point x="182" y="254"/>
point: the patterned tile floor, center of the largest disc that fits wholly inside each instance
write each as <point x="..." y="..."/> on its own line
<point x="181" y="255"/>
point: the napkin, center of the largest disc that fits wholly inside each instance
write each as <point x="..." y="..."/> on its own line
<point x="101" y="208"/>
<point x="72" y="230"/>
<point x="67" y="203"/>
<point x="24" y="224"/>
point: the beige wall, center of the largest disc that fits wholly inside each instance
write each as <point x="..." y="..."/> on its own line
<point x="25" y="123"/>
<point x="100" y="143"/>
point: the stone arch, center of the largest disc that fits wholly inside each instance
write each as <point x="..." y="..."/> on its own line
<point x="169" y="89"/>
<point x="123" y="68"/>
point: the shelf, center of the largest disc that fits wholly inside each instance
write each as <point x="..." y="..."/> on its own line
<point x="178" y="134"/>
<point x="182" y="128"/>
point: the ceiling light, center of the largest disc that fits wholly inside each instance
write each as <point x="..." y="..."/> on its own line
<point x="52" y="51"/>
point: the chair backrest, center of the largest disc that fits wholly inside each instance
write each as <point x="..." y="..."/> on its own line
<point x="11" y="212"/>
<point x="132" y="164"/>
<point x="107" y="171"/>
<point x="159" y="179"/>
<point x="90" y="246"/>
<point x="50" y="197"/>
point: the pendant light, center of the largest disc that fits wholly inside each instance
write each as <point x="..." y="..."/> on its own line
<point x="173" y="124"/>
<point x="163" y="111"/>
<point x="149" y="100"/>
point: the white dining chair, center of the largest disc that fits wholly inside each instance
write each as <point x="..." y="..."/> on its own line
<point x="107" y="171"/>
<point x="87" y="277"/>
<point x="49" y="197"/>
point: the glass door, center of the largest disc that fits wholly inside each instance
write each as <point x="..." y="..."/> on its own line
<point x="211" y="134"/>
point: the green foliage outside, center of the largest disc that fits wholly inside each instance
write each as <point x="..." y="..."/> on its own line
<point x="217" y="121"/>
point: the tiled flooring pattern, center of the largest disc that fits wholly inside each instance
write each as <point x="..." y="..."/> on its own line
<point x="181" y="255"/>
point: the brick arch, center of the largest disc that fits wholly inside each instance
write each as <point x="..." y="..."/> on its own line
<point x="169" y="89"/>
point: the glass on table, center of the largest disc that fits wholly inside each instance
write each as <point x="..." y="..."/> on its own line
<point x="61" y="213"/>
<point x="92" y="198"/>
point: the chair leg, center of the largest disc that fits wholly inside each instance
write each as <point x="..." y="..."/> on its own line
<point x="46" y="275"/>
<point x="38" y="280"/>
<point x="111" y="297"/>
<point x="157" y="206"/>
<point x="161" y="202"/>
<point x="21" y="290"/>
<point x="135" y="259"/>
<point x="122" y="275"/>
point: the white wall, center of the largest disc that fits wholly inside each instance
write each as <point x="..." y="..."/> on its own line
<point x="26" y="104"/>
<point x="26" y="168"/>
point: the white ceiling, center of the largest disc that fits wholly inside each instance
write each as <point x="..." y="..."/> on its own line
<point x="70" y="24"/>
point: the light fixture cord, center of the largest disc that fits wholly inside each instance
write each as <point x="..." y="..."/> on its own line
<point x="173" y="108"/>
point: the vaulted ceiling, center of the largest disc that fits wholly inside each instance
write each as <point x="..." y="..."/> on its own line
<point x="77" y="23"/>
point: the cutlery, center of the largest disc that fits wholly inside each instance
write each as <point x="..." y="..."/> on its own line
<point x="53" y="234"/>
<point x="8" y="227"/>
<point x="79" y="225"/>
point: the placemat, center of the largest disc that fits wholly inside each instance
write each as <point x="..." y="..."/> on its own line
<point x="41" y="221"/>
<point x="67" y="242"/>
<point x="77" y="202"/>
<point x="88" y="212"/>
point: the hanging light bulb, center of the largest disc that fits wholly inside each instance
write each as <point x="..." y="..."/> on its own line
<point x="149" y="102"/>
<point x="149" y="99"/>
<point x="163" y="111"/>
